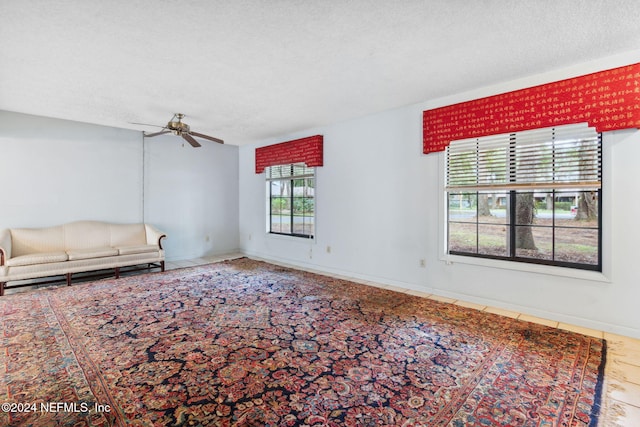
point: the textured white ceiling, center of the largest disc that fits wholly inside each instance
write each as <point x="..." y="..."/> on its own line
<point x="245" y="70"/>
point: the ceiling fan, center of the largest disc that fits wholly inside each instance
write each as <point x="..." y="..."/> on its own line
<point x="177" y="127"/>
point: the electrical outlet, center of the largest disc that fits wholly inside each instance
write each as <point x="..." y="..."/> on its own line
<point x="423" y="263"/>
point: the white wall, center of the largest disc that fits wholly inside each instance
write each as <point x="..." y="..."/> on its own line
<point x="379" y="209"/>
<point x="56" y="171"/>
<point x="192" y="195"/>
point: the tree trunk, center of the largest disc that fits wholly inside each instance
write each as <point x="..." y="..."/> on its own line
<point x="549" y="201"/>
<point x="483" y="205"/>
<point x="587" y="206"/>
<point x="587" y="202"/>
<point x="524" y="218"/>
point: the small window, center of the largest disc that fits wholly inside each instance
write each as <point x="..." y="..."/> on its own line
<point x="291" y="194"/>
<point x="531" y="196"/>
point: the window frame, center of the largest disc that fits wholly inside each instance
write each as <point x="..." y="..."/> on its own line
<point x="511" y="224"/>
<point x="291" y="198"/>
<point x="599" y="272"/>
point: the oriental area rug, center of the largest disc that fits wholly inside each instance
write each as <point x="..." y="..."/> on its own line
<point x="247" y="343"/>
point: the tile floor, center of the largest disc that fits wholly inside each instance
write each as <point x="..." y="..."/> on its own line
<point x="621" y="394"/>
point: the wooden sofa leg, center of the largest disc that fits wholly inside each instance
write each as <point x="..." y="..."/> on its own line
<point x="117" y="272"/>
<point x="2" y="288"/>
<point x="161" y="265"/>
<point x="68" y="279"/>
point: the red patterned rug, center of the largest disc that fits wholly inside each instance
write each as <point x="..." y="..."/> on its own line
<point x="246" y="343"/>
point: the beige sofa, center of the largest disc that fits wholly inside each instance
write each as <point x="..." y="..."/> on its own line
<point x="31" y="253"/>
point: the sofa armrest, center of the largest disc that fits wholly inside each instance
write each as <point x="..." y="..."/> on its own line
<point x="154" y="236"/>
<point x="5" y="245"/>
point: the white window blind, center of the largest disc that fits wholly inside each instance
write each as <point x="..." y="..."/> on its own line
<point x="560" y="157"/>
<point x="295" y="170"/>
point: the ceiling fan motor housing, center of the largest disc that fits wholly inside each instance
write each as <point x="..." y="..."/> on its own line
<point x="178" y="127"/>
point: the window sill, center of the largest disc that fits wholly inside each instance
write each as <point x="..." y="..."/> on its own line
<point x="289" y="237"/>
<point x="595" y="276"/>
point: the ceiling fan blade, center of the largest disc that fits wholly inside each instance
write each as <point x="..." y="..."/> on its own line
<point x="210" y="138"/>
<point x="190" y="140"/>
<point x="151" y="135"/>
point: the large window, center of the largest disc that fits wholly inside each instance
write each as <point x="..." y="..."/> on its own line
<point x="531" y="196"/>
<point x="291" y="191"/>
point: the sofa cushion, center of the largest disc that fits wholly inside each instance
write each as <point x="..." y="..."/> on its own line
<point x="27" y="241"/>
<point x="127" y="235"/>
<point x="137" y="249"/>
<point x="37" y="258"/>
<point x="92" y="253"/>
<point x="81" y="235"/>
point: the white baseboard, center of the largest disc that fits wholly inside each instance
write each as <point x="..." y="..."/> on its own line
<point x="532" y="311"/>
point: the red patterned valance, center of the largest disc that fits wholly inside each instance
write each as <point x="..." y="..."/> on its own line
<point x="305" y="150"/>
<point x="607" y="100"/>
